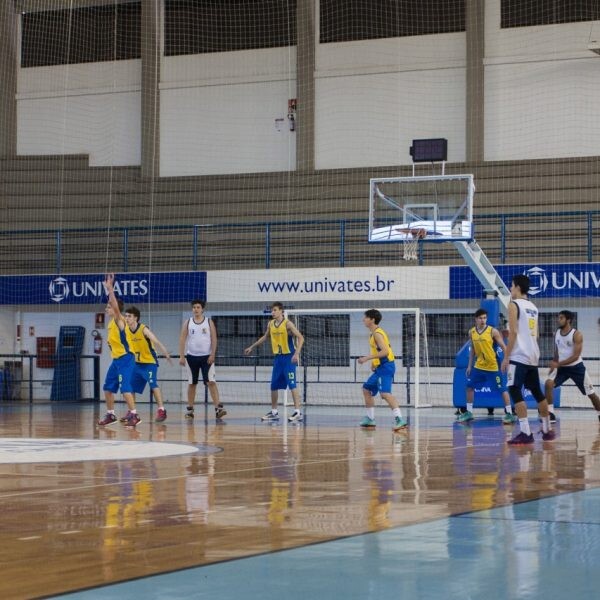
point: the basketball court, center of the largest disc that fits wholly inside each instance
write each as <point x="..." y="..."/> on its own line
<point x="248" y="509"/>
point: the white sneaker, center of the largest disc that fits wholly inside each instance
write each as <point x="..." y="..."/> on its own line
<point x="270" y="416"/>
<point x="296" y="416"/>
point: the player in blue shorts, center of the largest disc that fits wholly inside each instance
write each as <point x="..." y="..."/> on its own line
<point x="120" y="372"/>
<point x="521" y="360"/>
<point x="483" y="368"/>
<point x="286" y="343"/>
<point x="568" y="364"/>
<point x="384" y="367"/>
<point x="142" y="342"/>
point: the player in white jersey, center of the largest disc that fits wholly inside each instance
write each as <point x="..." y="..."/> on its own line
<point x="197" y="350"/>
<point x="521" y="360"/>
<point x="567" y="362"/>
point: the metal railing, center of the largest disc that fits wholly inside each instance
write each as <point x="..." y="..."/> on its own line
<point x="198" y="235"/>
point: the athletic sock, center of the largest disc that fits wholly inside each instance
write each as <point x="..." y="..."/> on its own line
<point x="396" y="412"/>
<point x="371" y="412"/>
<point x="469" y="407"/>
<point x="524" y="426"/>
<point x="546" y="424"/>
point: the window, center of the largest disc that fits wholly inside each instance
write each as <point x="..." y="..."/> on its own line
<point x="235" y="334"/>
<point x="353" y="20"/>
<point x="448" y="332"/>
<point x="202" y="26"/>
<point x="326" y="340"/>
<point x="517" y="13"/>
<point x="81" y="35"/>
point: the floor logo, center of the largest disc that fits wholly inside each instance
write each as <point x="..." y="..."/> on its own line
<point x="28" y="450"/>
<point x="59" y="289"/>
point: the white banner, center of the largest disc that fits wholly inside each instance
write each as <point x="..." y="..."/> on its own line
<point x="359" y="283"/>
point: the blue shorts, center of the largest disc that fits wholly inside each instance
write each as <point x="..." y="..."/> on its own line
<point x="119" y="374"/>
<point x="381" y="380"/>
<point x="144" y="373"/>
<point x="284" y="373"/>
<point x="528" y="376"/>
<point x="577" y="374"/>
<point x="479" y="378"/>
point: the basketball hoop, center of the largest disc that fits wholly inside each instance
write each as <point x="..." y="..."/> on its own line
<point x="411" y="243"/>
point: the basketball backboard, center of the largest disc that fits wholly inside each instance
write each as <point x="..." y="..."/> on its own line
<point x="441" y="205"/>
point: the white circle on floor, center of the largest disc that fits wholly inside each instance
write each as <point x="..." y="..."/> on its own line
<point x="43" y="450"/>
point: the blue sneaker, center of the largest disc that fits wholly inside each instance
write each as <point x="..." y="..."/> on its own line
<point x="509" y="419"/>
<point x="465" y="417"/>
<point x="399" y="424"/>
<point x="367" y="422"/>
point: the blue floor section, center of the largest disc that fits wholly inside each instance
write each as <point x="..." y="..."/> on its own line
<point x="540" y="549"/>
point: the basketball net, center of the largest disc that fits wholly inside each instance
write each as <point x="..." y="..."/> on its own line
<point x="411" y="243"/>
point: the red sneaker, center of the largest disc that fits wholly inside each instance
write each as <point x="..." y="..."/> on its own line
<point x="134" y="419"/>
<point x="109" y="419"/>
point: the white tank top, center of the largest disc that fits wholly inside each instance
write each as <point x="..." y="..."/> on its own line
<point x="198" y="342"/>
<point x="526" y="350"/>
<point x="564" y="345"/>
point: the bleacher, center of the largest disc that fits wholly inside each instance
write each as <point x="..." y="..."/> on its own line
<point x="525" y="211"/>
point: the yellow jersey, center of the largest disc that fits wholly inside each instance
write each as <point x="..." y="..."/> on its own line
<point x="117" y="340"/>
<point x="281" y="340"/>
<point x="375" y="348"/>
<point x="482" y="343"/>
<point x="141" y="346"/>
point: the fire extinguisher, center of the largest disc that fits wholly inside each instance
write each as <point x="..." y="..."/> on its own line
<point x="97" y="341"/>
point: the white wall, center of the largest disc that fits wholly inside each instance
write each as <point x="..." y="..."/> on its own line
<point x="219" y="111"/>
<point x="7" y="331"/>
<point x="374" y="97"/>
<point x="166" y="325"/>
<point x="541" y="90"/>
<point x="89" y="109"/>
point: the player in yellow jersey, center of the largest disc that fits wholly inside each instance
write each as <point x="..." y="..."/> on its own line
<point x="384" y="367"/>
<point x="485" y="370"/>
<point x="141" y="343"/>
<point x="120" y="371"/>
<point x="286" y="343"/>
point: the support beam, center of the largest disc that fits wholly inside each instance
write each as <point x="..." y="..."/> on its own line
<point x="485" y="272"/>
<point x="8" y="79"/>
<point x="150" y="109"/>
<point x="475" y="124"/>
<point x="305" y="84"/>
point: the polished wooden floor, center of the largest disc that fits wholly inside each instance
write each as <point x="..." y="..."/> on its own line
<point x="252" y="488"/>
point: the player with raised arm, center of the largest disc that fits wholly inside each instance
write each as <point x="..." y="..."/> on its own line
<point x="142" y="342"/>
<point x="567" y="362"/>
<point x="483" y="368"/>
<point x="383" y="366"/>
<point x="120" y="372"/>
<point x="286" y="343"/>
<point x="197" y="350"/>
<point x="521" y="360"/>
